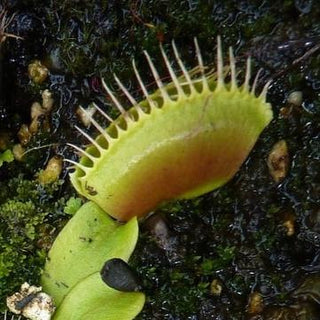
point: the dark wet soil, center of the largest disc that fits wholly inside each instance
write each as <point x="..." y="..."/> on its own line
<point x="252" y="237"/>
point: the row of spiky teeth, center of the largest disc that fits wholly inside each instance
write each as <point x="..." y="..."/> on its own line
<point x="181" y="93"/>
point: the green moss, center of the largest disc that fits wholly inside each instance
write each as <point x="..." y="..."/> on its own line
<point x="225" y="256"/>
<point x="241" y="214"/>
<point x="73" y="205"/>
<point x="6" y="156"/>
<point x="26" y="232"/>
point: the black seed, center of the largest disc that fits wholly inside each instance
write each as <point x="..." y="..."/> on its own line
<point x="117" y="274"/>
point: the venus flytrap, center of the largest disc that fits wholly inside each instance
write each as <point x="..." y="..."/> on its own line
<point x="72" y="272"/>
<point x="187" y="138"/>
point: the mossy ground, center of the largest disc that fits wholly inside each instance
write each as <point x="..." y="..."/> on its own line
<point x="234" y="234"/>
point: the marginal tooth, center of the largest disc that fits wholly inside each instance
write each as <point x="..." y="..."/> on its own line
<point x="132" y="100"/>
<point x="248" y="75"/>
<point x="255" y="82"/>
<point x="97" y="126"/>
<point x="76" y="164"/>
<point x="200" y="63"/>
<point x="264" y="91"/>
<point x="156" y="76"/>
<point x="98" y="147"/>
<point x="85" y="153"/>
<point x="114" y="99"/>
<point x="233" y="69"/>
<point x="183" y="69"/>
<point x="220" y="80"/>
<point x="172" y="73"/>
<point x="103" y="113"/>
<point x="142" y="86"/>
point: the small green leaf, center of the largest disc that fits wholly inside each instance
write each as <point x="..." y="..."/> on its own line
<point x="89" y="239"/>
<point x="93" y="299"/>
<point x="6" y="156"/>
<point x="72" y="205"/>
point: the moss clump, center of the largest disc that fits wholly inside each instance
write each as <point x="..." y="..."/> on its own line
<point x="26" y="232"/>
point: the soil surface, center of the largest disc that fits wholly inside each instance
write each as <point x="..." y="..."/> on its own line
<point x="249" y="250"/>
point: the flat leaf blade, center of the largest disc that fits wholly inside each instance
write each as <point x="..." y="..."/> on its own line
<point x="93" y="299"/>
<point x="89" y="239"/>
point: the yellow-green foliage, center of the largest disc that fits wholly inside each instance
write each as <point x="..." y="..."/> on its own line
<point x="72" y="272"/>
<point x="6" y="156"/>
<point x="25" y="231"/>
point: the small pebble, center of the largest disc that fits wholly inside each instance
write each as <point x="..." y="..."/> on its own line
<point x="31" y="303"/>
<point x="24" y="135"/>
<point x="47" y="100"/>
<point x="278" y="161"/>
<point x="165" y="238"/>
<point x="255" y="304"/>
<point x="18" y="152"/>
<point x="289" y="225"/>
<point x="36" y="110"/>
<point x="216" y="287"/>
<point x="38" y="73"/>
<point x="52" y="171"/>
<point x="295" y="98"/>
